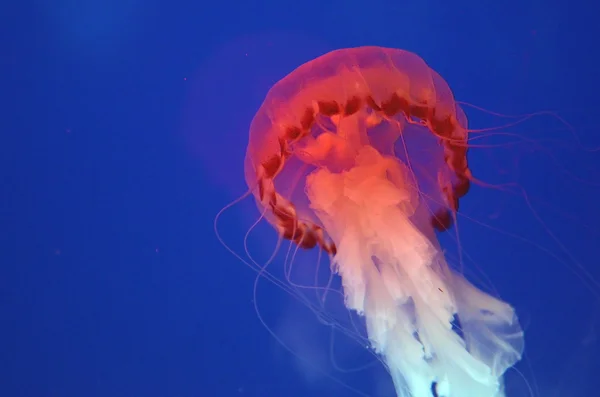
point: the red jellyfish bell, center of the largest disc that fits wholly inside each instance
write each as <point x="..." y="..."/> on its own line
<point x="362" y="153"/>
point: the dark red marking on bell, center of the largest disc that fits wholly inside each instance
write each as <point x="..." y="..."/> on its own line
<point x="261" y="191"/>
<point x="420" y="111"/>
<point x="394" y="105"/>
<point x="293" y="133"/>
<point x="371" y="102"/>
<point x="462" y="187"/>
<point x="291" y="232"/>
<point x="308" y="118"/>
<point x="442" y="220"/>
<point x="442" y="127"/>
<point x="329" y="108"/>
<point x="306" y="239"/>
<point x="271" y="166"/>
<point x="330" y="248"/>
<point x="283" y="147"/>
<point x="352" y="106"/>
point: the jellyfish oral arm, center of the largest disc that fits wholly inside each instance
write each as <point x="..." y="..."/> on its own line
<point x="394" y="274"/>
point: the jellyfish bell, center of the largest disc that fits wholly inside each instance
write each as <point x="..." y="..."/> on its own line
<point x="362" y="153"/>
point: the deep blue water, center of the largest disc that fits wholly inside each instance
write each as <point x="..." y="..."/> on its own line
<point x="123" y="130"/>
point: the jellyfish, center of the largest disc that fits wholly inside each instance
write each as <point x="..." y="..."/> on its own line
<point x="362" y="153"/>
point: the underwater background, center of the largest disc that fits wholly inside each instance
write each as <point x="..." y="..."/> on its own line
<point x="123" y="131"/>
